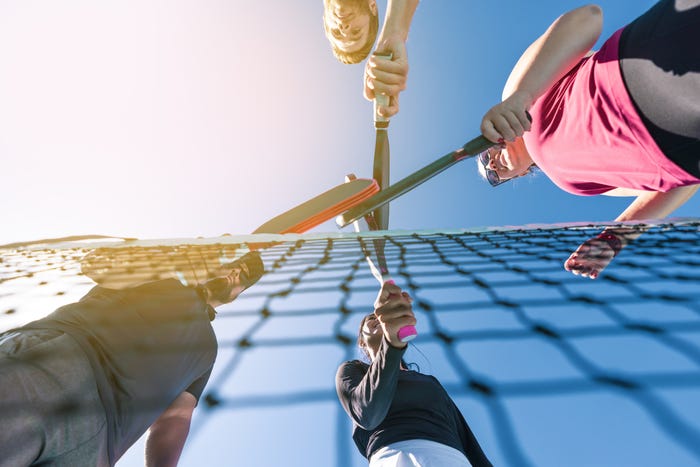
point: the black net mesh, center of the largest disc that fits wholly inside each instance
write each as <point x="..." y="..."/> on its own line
<point x="543" y="364"/>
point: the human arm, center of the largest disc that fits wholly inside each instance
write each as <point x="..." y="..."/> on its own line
<point x="166" y="436"/>
<point x="365" y="392"/>
<point x="593" y="255"/>
<point x="388" y="76"/>
<point x="546" y="61"/>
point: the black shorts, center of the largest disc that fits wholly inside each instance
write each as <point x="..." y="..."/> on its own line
<point x="660" y="64"/>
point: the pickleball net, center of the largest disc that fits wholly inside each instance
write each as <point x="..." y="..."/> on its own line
<point x="548" y="368"/>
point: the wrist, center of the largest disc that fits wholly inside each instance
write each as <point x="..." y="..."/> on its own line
<point x="613" y="241"/>
<point x="524" y="97"/>
<point x="389" y="33"/>
<point x="395" y="343"/>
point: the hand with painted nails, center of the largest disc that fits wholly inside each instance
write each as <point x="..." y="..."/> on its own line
<point x="393" y="309"/>
<point x="590" y="258"/>
<point x="507" y="120"/>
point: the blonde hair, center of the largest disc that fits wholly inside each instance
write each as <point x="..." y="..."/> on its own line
<point x="350" y="58"/>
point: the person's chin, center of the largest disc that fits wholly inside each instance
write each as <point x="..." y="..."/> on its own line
<point x="349" y="48"/>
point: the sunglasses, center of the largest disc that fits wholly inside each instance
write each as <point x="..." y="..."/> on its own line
<point x="484" y="159"/>
<point x="249" y="268"/>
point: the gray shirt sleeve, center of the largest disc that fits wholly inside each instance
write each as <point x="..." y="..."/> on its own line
<point x="197" y="386"/>
<point x="366" y="391"/>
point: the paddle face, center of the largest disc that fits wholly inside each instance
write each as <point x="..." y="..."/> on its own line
<point x="321" y="208"/>
<point x="119" y="268"/>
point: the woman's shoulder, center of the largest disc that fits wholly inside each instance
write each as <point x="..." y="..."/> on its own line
<point x="351" y="370"/>
<point x="353" y="364"/>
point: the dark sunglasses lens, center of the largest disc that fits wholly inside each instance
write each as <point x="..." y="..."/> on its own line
<point x="493" y="177"/>
<point x="484" y="158"/>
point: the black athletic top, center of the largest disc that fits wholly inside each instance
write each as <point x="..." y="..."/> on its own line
<point x="146" y="345"/>
<point x="660" y="65"/>
<point x="388" y="405"/>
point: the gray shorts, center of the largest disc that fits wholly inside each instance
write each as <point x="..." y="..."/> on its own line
<point x="49" y="404"/>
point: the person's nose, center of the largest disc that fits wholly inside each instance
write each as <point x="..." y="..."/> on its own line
<point x="235" y="278"/>
<point x="492" y="164"/>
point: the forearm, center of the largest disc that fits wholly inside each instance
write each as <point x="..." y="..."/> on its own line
<point x="551" y="56"/>
<point x="594" y="255"/>
<point x="164" y="447"/>
<point x="651" y="205"/>
<point x="166" y="437"/>
<point x="398" y="18"/>
<point x="367" y="397"/>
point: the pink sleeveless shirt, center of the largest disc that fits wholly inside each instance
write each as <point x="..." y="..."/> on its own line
<point x="588" y="138"/>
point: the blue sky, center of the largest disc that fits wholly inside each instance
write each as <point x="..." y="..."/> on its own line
<point x="157" y="119"/>
<point x="161" y="120"/>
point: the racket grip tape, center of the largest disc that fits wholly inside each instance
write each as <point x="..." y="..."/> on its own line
<point x="381" y="100"/>
<point x="406" y="333"/>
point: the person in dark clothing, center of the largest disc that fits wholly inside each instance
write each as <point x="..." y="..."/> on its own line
<point x="81" y="385"/>
<point x="401" y="417"/>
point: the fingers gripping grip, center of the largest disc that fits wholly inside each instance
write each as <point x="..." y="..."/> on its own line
<point x="406" y="333"/>
<point x="381" y="100"/>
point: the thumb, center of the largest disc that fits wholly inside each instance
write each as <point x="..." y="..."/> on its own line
<point x="395" y="47"/>
<point x="367" y="91"/>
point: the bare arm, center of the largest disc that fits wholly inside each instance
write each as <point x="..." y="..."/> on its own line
<point x="546" y="61"/>
<point x="651" y="205"/>
<point x="657" y="205"/>
<point x="568" y="39"/>
<point x="623" y="192"/>
<point x="397" y="21"/>
<point x="595" y="254"/>
<point x="167" y="435"/>
<point x="389" y="76"/>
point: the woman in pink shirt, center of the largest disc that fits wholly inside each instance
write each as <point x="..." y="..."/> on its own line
<point x="623" y="121"/>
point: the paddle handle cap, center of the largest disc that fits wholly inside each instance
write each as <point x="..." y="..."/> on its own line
<point x="406" y="333"/>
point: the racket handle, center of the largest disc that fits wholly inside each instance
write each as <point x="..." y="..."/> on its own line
<point x="406" y="333"/>
<point x="381" y="99"/>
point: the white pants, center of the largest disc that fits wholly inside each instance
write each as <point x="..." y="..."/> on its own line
<point x="418" y="453"/>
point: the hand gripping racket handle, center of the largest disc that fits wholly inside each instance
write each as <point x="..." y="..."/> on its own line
<point x="406" y="333"/>
<point x="381" y="100"/>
